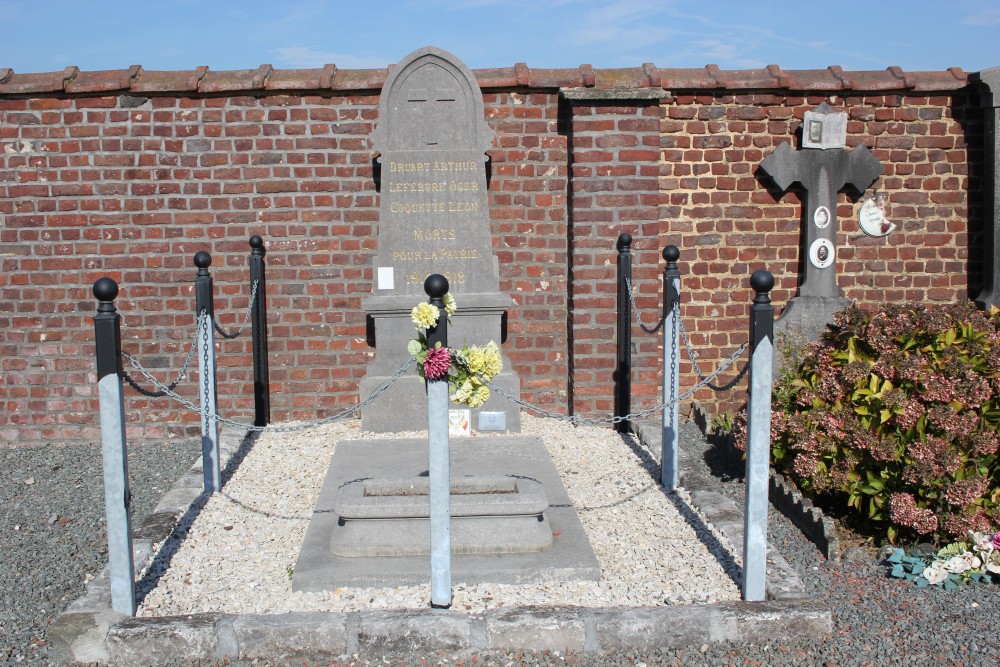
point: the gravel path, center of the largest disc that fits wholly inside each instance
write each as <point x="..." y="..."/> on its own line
<point x="238" y="555"/>
<point x="877" y="621"/>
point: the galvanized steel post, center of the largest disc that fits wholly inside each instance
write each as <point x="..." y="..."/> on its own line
<point x="759" y="438"/>
<point x="439" y="466"/>
<point x="671" y="367"/>
<point x="623" y="362"/>
<point x="117" y="497"/>
<point x="258" y="330"/>
<point x="206" y="366"/>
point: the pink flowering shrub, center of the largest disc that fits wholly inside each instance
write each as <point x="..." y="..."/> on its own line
<point x="896" y="413"/>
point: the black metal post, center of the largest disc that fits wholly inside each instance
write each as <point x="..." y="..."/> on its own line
<point x="438" y="456"/>
<point x="759" y="438"/>
<point x="203" y="284"/>
<point x="114" y="452"/>
<point x="436" y="286"/>
<point x="761" y="312"/>
<point x="671" y="369"/>
<point x="211" y="464"/>
<point x="258" y="329"/>
<point x="623" y="363"/>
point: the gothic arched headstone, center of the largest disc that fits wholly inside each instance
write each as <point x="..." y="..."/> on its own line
<point x="431" y="140"/>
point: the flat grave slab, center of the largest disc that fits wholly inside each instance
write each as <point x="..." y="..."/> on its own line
<point x="357" y="462"/>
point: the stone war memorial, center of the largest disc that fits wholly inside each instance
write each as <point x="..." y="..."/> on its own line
<point x="431" y="139"/>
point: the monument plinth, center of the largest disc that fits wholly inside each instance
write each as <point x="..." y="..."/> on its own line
<point x="431" y="140"/>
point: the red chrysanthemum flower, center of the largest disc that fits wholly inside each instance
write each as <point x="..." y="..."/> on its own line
<point x="437" y="363"/>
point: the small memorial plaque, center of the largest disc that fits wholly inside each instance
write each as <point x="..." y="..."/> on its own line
<point x="871" y="218"/>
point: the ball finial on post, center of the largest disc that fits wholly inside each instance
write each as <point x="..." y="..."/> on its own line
<point x="436" y="286"/>
<point x="762" y="281"/>
<point x="257" y="245"/>
<point x="105" y="290"/>
<point x="202" y="260"/>
<point x="671" y="254"/>
<point x="624" y="242"/>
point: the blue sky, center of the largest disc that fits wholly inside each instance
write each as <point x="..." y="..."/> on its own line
<point x="47" y="35"/>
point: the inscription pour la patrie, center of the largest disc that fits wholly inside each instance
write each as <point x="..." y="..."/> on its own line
<point x="438" y="188"/>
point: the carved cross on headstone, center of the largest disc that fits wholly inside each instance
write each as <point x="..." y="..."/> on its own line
<point x="431" y="102"/>
<point x="823" y="168"/>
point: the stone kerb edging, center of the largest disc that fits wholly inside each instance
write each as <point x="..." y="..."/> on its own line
<point x="327" y="635"/>
<point x="88" y="631"/>
<point x="808" y="518"/>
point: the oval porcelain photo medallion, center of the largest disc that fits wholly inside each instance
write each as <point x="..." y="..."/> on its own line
<point x="821" y="253"/>
<point x="822" y="217"/>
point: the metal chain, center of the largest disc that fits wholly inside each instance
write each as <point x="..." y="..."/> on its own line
<point x="205" y="380"/>
<point x="577" y="420"/>
<point x="285" y="429"/>
<point x="246" y="320"/>
<point x="184" y="367"/>
<point x="635" y="311"/>
<point x="691" y="354"/>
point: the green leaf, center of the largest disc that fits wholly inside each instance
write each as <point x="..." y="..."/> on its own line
<point x="414" y="347"/>
<point x="921" y="582"/>
<point x="885" y="415"/>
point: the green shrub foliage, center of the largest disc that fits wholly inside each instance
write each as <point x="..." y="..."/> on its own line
<point x="896" y="412"/>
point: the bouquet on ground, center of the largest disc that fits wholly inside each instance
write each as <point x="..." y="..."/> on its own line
<point x="974" y="559"/>
<point x="467" y="369"/>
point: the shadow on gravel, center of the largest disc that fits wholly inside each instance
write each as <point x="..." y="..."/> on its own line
<point x="721" y="554"/>
<point x="161" y="561"/>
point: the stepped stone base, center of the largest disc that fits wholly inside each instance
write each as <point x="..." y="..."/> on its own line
<point x="490" y="515"/>
<point x="520" y="463"/>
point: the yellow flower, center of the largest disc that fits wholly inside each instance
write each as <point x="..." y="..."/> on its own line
<point x="449" y="304"/>
<point x="463" y="392"/>
<point x="425" y="315"/>
<point x="475" y="359"/>
<point x="479" y="396"/>
<point x="492" y="361"/>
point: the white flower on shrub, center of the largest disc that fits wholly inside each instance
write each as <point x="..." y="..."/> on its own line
<point x="983" y="542"/>
<point x="934" y="573"/>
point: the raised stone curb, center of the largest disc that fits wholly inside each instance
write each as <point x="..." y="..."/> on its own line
<point x="90" y="632"/>
<point x="317" y="635"/>
<point x="816" y="526"/>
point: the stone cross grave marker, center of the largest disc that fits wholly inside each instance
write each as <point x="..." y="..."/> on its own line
<point x="822" y="168"/>
<point x="431" y="140"/>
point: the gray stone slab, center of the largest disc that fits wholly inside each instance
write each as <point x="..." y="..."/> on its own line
<point x="537" y="629"/>
<point x="308" y="636"/>
<point x="148" y="641"/>
<point x="416" y="632"/>
<point x="569" y="558"/>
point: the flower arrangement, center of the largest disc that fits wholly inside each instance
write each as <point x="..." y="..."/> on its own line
<point x="974" y="559"/>
<point x="467" y="369"/>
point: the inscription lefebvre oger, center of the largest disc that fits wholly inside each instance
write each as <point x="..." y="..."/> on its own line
<point x="432" y="139"/>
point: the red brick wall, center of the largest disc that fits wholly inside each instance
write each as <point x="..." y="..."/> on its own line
<point x="131" y="185"/>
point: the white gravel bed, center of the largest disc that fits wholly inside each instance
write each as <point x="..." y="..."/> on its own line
<point x="239" y="552"/>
